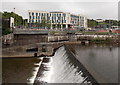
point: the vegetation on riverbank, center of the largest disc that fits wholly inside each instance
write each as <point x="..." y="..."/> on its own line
<point x="101" y="40"/>
<point x="94" y="33"/>
<point x="93" y="23"/>
<point x="5" y="21"/>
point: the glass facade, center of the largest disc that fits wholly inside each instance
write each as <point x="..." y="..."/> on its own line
<point x="32" y="14"/>
<point x="36" y="14"/>
<point x="62" y="18"/>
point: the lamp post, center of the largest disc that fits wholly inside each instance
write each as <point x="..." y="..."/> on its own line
<point x="14" y="17"/>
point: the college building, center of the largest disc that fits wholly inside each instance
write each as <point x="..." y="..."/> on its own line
<point x="64" y="19"/>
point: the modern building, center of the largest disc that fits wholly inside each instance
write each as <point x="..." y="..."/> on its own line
<point x="58" y="19"/>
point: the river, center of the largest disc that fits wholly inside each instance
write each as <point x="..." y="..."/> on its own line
<point x="100" y="61"/>
<point x="86" y="64"/>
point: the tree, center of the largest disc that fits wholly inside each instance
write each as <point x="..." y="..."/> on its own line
<point x="48" y="25"/>
<point x="45" y="23"/>
<point x="18" y="19"/>
<point x="112" y="22"/>
<point x="92" y="23"/>
<point x="5" y="21"/>
<point x="119" y="23"/>
<point x="59" y="25"/>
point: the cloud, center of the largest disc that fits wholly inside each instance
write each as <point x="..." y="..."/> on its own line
<point x="103" y="10"/>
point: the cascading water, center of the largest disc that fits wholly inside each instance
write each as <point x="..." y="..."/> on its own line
<point x="59" y="69"/>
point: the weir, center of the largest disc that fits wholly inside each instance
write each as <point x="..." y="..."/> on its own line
<point x="63" y="67"/>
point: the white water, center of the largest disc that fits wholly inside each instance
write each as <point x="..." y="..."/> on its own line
<point x="60" y="70"/>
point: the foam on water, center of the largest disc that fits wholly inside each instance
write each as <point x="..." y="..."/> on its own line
<point x="60" y="70"/>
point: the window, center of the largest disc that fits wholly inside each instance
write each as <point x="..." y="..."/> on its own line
<point x="54" y="15"/>
<point x="48" y="18"/>
<point x="29" y="13"/>
<point x="47" y="15"/>
<point x="64" y="15"/>
<point x="52" y="21"/>
<point x="32" y="13"/>
<point x="36" y="14"/>
<point x="32" y="21"/>
<point x="62" y="21"/>
<point x="52" y="18"/>
<point x="63" y="18"/>
<point x="58" y="18"/>
<point x="30" y="17"/>
<point x="42" y="14"/>
<point x="38" y="17"/>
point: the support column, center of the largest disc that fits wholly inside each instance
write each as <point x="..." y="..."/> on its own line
<point x="56" y="26"/>
<point x="61" y="26"/>
<point x="51" y="26"/>
<point x="66" y="25"/>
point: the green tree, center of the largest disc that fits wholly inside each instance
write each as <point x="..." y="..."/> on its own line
<point x="92" y="23"/>
<point x="112" y="22"/>
<point x="119" y="23"/>
<point x="18" y="19"/>
<point x="45" y="23"/>
<point x="59" y="25"/>
<point x="5" y="23"/>
<point x="48" y="25"/>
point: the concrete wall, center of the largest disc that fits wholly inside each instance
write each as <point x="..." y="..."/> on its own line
<point x="25" y="39"/>
<point x="7" y="39"/>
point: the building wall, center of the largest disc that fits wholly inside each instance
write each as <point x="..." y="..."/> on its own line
<point x="11" y="22"/>
<point x="65" y="19"/>
<point x="25" y="39"/>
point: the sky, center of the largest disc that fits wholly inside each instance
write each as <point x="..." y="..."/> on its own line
<point x="93" y="9"/>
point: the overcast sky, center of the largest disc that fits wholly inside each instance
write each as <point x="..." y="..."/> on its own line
<point x="96" y="9"/>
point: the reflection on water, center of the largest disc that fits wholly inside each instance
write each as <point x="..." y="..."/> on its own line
<point x="19" y="70"/>
<point x="102" y="62"/>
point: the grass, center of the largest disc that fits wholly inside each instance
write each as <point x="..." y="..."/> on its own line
<point x="99" y="40"/>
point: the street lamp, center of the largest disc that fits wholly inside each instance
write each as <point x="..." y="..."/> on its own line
<point x="14" y="16"/>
